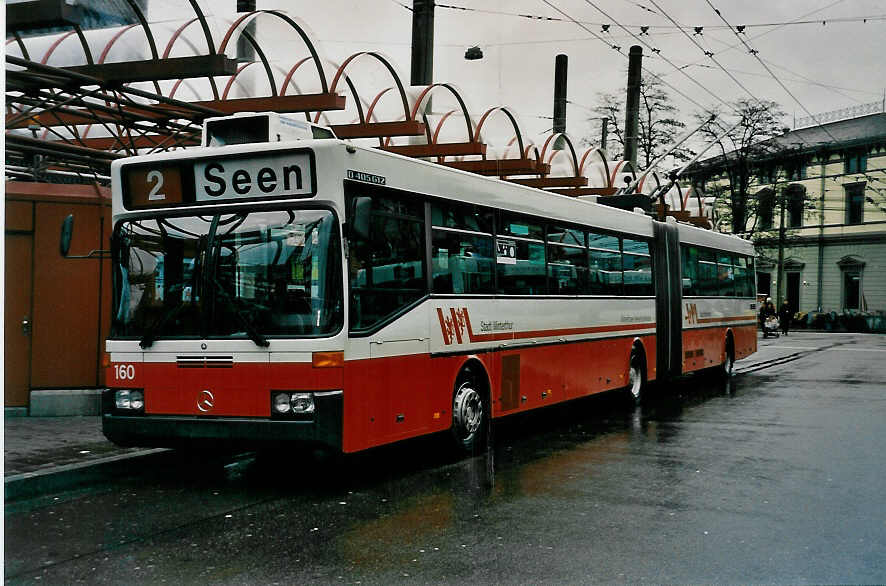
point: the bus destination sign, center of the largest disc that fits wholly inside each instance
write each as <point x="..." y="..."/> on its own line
<point x="283" y="175"/>
<point x="205" y="181"/>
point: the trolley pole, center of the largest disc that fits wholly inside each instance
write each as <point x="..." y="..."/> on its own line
<point x="632" y="107"/>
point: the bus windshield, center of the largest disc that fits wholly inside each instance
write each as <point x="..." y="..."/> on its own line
<point x="251" y="274"/>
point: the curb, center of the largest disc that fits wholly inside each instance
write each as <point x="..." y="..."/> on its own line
<point x="58" y="478"/>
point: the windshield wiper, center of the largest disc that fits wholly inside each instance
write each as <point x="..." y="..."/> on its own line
<point x="253" y="333"/>
<point x="151" y="335"/>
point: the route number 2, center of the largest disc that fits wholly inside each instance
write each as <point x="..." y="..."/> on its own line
<point x="156" y="177"/>
<point x="124" y="371"/>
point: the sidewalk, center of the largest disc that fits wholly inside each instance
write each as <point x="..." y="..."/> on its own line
<point x="42" y="454"/>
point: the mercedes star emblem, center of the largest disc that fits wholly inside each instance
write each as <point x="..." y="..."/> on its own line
<point x="205" y="401"/>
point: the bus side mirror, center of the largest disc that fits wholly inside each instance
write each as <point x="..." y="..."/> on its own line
<point x="360" y="218"/>
<point x="64" y="244"/>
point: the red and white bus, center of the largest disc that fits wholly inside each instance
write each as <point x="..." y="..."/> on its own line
<point x="274" y="291"/>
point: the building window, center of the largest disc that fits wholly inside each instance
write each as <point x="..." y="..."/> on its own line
<point x="765" y="207"/>
<point x="854" y="202"/>
<point x="856" y="162"/>
<point x="766" y="175"/>
<point x="796" y="172"/>
<point x="795" y="196"/>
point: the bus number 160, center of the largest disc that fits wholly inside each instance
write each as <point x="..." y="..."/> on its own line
<point x="124" y="371"/>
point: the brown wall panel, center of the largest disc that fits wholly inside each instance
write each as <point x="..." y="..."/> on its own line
<point x="19" y="216"/>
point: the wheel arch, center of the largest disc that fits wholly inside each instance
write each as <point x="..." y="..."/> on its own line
<point x="638" y="344"/>
<point x="474" y="363"/>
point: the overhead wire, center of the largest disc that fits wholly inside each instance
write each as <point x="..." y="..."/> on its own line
<point x="669" y="62"/>
<point x="756" y="55"/>
<point x="800" y="21"/>
<point x="800" y="79"/>
<point x="710" y="54"/>
<point x="780" y="26"/>
<point x="620" y="51"/>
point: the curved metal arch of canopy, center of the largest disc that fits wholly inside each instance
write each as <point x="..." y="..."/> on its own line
<point x="209" y="45"/>
<point x="554" y="153"/>
<point x="622" y="167"/>
<point x="642" y="182"/>
<point x="601" y="160"/>
<point x="240" y="30"/>
<point x="426" y="94"/>
<point x="510" y="116"/>
<point x="340" y="72"/>
<point x="87" y="52"/>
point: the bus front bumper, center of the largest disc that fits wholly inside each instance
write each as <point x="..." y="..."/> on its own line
<point x="324" y="430"/>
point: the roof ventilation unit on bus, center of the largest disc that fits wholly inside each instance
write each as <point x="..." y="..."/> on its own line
<point x="251" y="127"/>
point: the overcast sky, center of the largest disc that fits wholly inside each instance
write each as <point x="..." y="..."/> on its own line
<point x="826" y="66"/>
<point x="519" y="52"/>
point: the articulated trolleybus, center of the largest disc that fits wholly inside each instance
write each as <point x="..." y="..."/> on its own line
<point x="279" y="285"/>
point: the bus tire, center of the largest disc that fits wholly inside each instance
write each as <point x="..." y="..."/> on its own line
<point x="470" y="413"/>
<point x="637" y="376"/>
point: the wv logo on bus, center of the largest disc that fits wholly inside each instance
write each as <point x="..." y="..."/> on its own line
<point x="456" y="326"/>
<point x="691" y="313"/>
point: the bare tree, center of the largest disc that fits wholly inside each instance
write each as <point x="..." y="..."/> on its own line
<point x="742" y="149"/>
<point x="659" y="126"/>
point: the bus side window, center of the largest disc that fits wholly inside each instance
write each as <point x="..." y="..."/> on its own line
<point x="521" y="270"/>
<point x="637" y="267"/>
<point x="725" y="275"/>
<point x="605" y="263"/>
<point x="387" y="270"/>
<point x="744" y="280"/>
<point x="462" y="249"/>
<point x="567" y="261"/>
<point x="708" y="285"/>
<point x="689" y="256"/>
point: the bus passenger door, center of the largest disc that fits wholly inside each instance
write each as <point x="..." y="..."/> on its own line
<point x="668" y="296"/>
<point x="399" y="374"/>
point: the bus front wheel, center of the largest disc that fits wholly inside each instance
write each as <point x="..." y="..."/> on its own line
<point x="469" y="413"/>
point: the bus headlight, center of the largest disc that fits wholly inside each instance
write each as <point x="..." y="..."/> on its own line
<point x="129" y="399"/>
<point x="302" y="403"/>
<point x="280" y="403"/>
<point x="292" y="404"/>
<point x="136" y="400"/>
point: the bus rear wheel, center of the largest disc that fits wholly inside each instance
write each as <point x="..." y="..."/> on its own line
<point x="469" y="413"/>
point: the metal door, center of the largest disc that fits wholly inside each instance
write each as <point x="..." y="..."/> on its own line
<point x="18" y="312"/>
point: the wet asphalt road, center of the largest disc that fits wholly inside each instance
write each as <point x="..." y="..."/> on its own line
<point x="778" y="478"/>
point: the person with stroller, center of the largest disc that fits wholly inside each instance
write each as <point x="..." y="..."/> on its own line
<point x="767" y="314"/>
<point x="785" y="315"/>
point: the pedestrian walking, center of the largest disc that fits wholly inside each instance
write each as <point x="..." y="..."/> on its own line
<point x="784" y="316"/>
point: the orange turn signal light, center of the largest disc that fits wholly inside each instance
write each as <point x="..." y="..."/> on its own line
<point x="328" y="359"/>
